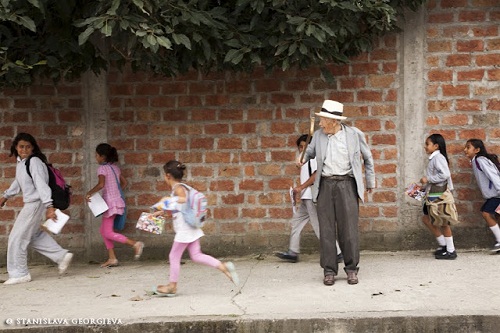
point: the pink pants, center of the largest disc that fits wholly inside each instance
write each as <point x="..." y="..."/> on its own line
<point x="108" y="234"/>
<point x="195" y="253"/>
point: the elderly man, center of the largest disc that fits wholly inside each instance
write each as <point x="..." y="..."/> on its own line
<point x="338" y="187"/>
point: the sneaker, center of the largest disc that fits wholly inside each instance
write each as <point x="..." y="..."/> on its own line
<point x="340" y="258"/>
<point x="22" y="279"/>
<point x="447" y="255"/>
<point x="440" y="249"/>
<point x="287" y="256"/>
<point x="64" y="264"/>
<point x="496" y="248"/>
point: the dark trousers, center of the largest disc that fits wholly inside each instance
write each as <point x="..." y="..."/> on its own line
<point x="338" y="212"/>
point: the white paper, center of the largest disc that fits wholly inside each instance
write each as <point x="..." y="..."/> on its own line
<point x="97" y="204"/>
<point x="56" y="226"/>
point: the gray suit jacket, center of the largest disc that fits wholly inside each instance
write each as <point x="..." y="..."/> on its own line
<point x="357" y="149"/>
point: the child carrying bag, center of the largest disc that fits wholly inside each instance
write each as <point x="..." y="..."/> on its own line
<point x="119" y="222"/>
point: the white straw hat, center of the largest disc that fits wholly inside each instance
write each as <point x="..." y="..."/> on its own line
<point x="332" y="109"/>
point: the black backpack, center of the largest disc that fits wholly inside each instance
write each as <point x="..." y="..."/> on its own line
<point x="61" y="192"/>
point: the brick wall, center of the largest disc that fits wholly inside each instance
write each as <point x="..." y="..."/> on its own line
<point x="463" y="73"/>
<point x="237" y="132"/>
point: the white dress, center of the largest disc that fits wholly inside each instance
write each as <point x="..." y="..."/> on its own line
<point x="184" y="233"/>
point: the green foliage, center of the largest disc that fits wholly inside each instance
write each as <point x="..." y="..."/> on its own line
<point x="63" y="39"/>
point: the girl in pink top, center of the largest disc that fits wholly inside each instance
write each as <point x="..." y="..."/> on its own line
<point x="108" y="174"/>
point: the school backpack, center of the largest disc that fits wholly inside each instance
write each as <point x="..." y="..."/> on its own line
<point x="195" y="213"/>
<point x="61" y="192"/>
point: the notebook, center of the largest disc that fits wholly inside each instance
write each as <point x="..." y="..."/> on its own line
<point x="55" y="227"/>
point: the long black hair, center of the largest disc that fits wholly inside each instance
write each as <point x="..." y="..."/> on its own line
<point x="28" y="138"/>
<point x="109" y="152"/>
<point x="438" y="139"/>
<point x="478" y="144"/>
<point x="175" y="168"/>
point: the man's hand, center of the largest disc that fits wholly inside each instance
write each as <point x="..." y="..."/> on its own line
<point x="369" y="190"/>
<point x="51" y="213"/>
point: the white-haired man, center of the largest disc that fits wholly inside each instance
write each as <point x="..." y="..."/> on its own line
<point x="338" y="186"/>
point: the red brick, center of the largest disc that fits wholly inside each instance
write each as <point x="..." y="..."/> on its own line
<point x="273" y="142"/>
<point x="217" y="100"/>
<point x="473" y="75"/>
<point x="231" y="114"/>
<point x="383" y="110"/>
<point x="147" y="89"/>
<point x="187" y="101"/>
<point x="472" y="133"/>
<point x="441" y="18"/>
<point x="280" y="183"/>
<point x="251" y="185"/>
<point x="174" y="88"/>
<point x="472" y="16"/>
<point x="232" y="228"/>
<point x="352" y="82"/>
<point x="389" y="182"/>
<point x="216" y="129"/>
<point x="297" y="85"/>
<point x="433" y="106"/>
<point x="364" y="68"/>
<point x="457" y="119"/>
<point x="282" y="127"/>
<point x="383" y="139"/>
<point x="384" y="196"/>
<point x="453" y="3"/>
<point x="218" y="157"/>
<point x="458" y="60"/>
<point x="484" y="3"/>
<point x="25" y="103"/>
<point x="493" y="44"/>
<point x="202" y="87"/>
<point x="390" y="67"/>
<point x="222" y="185"/>
<point x="381" y="81"/>
<point x="432" y="121"/>
<point x="368" y="211"/>
<point x="440" y="75"/>
<point x="368" y="125"/>
<point x="282" y="156"/>
<point x="458" y="90"/>
<point x="202" y="143"/>
<point x="230" y="143"/>
<point x="369" y="96"/>
<point x="468" y="105"/>
<point x="225" y="213"/>
<point x="162" y="102"/>
<point x="383" y="54"/>
<point x="282" y="98"/>
<point x="485" y="31"/>
<point x="488" y="59"/>
<point x="439" y="46"/>
<point x="136" y="158"/>
<point x="266" y="85"/>
<point x="456" y="31"/>
<point x="385" y="168"/>
<point x="252" y="157"/>
<point x="121" y="89"/>
<point x="256" y="213"/>
<point x="277" y="213"/>
<point x="470" y="45"/>
<point x="233" y="199"/>
<point x="493" y="104"/>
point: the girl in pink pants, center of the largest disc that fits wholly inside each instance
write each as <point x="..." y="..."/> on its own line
<point x="186" y="237"/>
<point x="110" y="180"/>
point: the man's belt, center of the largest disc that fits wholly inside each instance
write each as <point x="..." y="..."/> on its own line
<point x="338" y="177"/>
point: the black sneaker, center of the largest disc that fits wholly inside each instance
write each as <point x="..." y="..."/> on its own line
<point x="447" y="255"/>
<point x="440" y="249"/>
<point x="340" y="258"/>
<point x="287" y="256"/>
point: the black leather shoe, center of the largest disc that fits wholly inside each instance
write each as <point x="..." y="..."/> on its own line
<point x="447" y="255"/>
<point x="440" y="249"/>
<point x="287" y="256"/>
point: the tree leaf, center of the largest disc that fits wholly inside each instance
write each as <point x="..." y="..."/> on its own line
<point x="28" y="23"/>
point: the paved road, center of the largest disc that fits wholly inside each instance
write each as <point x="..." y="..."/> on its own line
<point x="392" y="285"/>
